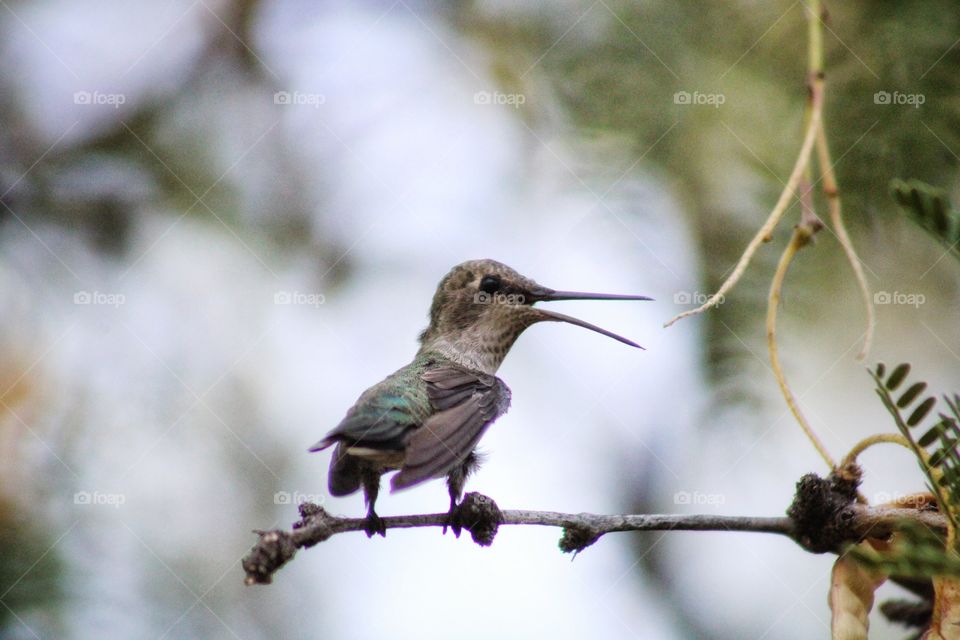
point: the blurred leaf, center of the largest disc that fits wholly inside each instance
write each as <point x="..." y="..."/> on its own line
<point x="917" y="552"/>
<point x="930" y="208"/>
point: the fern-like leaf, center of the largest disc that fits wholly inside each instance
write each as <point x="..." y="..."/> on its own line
<point x="930" y="208"/>
<point x="935" y="446"/>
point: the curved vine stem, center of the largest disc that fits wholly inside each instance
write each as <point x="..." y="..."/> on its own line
<point x="802" y="234"/>
<point x="831" y="191"/>
<point x="869" y="441"/>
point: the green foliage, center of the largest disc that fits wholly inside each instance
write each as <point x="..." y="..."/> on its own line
<point x="936" y="445"/>
<point x="32" y="569"/>
<point x="930" y="208"/>
<point x="916" y="553"/>
<point x="615" y="67"/>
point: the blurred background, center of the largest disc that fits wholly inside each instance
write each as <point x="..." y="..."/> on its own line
<point x="221" y="221"/>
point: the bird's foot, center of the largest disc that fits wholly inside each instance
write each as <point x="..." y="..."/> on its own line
<point x="374" y="525"/>
<point x="454" y="519"/>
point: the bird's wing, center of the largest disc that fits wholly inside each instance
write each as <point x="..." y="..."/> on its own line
<point x="466" y="403"/>
<point x="381" y="417"/>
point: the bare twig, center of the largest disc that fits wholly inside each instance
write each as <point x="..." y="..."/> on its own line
<point x="275" y="548"/>
<point x="830" y="188"/>
<point x="831" y="191"/>
<point x="764" y="233"/>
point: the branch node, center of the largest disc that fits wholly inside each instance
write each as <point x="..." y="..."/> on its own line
<point x="822" y="510"/>
<point x="272" y="551"/>
<point x="576" y="538"/>
<point x="315" y="523"/>
<point x="481" y="516"/>
<point x="849" y="472"/>
<point x="306" y="510"/>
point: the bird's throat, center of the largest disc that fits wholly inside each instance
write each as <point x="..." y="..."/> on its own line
<point x="470" y="355"/>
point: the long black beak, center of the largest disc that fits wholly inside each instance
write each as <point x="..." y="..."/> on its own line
<point x="549" y="294"/>
<point x="545" y="295"/>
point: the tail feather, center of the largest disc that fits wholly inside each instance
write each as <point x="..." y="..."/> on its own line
<point x="345" y="472"/>
<point x="323" y="444"/>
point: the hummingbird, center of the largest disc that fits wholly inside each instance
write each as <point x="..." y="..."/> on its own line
<point x="425" y="419"/>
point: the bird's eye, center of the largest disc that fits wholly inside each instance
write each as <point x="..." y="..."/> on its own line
<point x="490" y="284"/>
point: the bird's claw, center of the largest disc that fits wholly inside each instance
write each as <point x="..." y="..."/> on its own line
<point x="375" y="525"/>
<point x="454" y="521"/>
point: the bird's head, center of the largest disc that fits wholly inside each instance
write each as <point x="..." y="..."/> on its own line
<point x="482" y="306"/>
